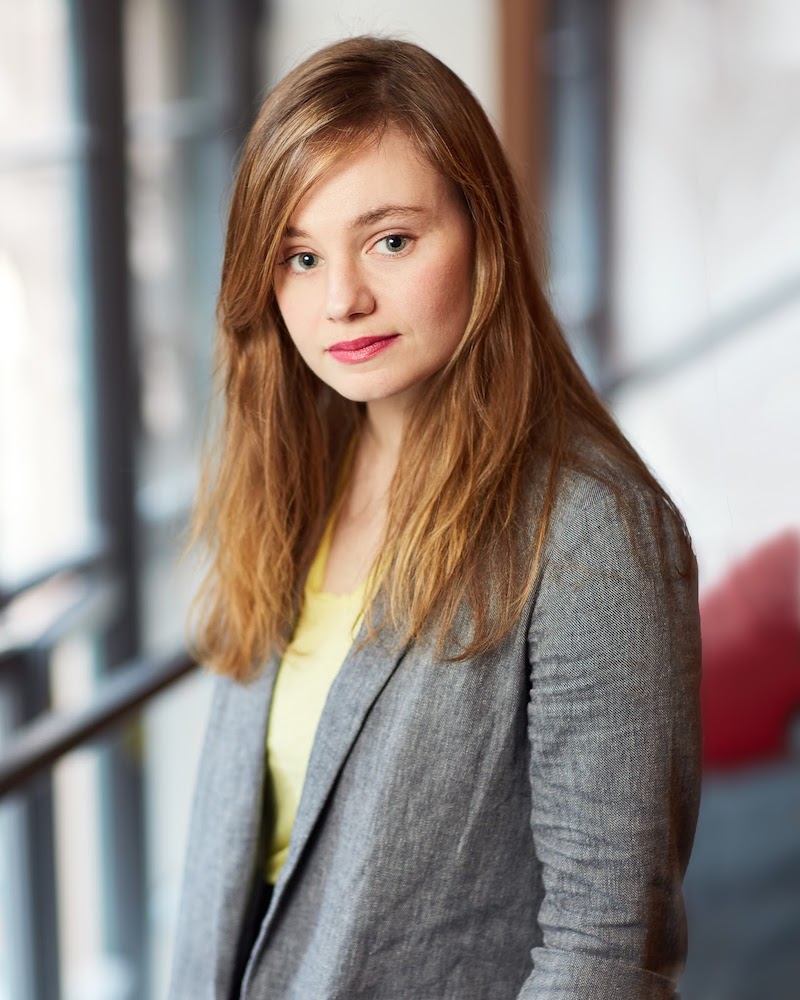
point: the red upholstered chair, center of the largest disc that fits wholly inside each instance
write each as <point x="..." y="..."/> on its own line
<point x="751" y="657"/>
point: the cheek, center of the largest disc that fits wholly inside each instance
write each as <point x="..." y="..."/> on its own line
<point x="295" y="310"/>
<point x="445" y="294"/>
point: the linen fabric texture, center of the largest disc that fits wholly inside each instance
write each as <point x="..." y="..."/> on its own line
<point x="515" y="826"/>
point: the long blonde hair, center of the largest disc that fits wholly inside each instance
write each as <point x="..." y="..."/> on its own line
<point x="511" y="400"/>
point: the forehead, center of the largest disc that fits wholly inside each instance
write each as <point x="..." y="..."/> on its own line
<point x="375" y="175"/>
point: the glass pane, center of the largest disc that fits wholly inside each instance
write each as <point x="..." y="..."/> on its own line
<point x="43" y="502"/>
<point x="35" y="68"/>
<point x="14" y="902"/>
<point x="155" y="53"/>
<point x="174" y="726"/>
<point x="87" y="969"/>
<point x="174" y="254"/>
<point x="178" y="194"/>
<point x="162" y="56"/>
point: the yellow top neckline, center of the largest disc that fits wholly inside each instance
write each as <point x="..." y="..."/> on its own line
<point x="316" y="574"/>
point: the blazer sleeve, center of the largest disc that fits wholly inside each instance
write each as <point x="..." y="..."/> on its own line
<point x="614" y="732"/>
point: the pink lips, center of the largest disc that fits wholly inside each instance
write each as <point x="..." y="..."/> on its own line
<point x="351" y="352"/>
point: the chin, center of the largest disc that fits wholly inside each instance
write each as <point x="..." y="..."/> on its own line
<point x="375" y="393"/>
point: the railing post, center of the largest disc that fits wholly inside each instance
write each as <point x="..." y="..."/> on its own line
<point x="35" y="960"/>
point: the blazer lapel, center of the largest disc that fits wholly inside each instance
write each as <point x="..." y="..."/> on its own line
<point x="236" y="789"/>
<point x="360" y="680"/>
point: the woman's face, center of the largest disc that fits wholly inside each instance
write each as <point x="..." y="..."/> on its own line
<point x="375" y="279"/>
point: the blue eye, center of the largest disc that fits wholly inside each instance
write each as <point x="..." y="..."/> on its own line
<point x="393" y="244"/>
<point x="301" y="262"/>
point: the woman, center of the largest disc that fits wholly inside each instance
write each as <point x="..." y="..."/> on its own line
<point x="453" y="749"/>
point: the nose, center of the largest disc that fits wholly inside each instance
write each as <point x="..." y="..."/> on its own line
<point x="349" y="294"/>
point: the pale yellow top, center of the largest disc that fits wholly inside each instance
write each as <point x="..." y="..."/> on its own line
<point x="325" y="631"/>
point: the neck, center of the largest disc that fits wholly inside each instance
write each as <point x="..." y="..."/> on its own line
<point x="384" y="428"/>
<point x="366" y="493"/>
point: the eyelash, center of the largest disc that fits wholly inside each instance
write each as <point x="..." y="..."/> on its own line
<point x="287" y="261"/>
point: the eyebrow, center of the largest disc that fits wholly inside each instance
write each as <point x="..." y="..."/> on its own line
<point x="368" y="218"/>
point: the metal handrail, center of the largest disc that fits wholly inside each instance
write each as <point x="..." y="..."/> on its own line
<point x="87" y="610"/>
<point x="42" y="742"/>
<point x="93" y="556"/>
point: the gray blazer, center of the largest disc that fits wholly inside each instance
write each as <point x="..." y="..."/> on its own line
<point x="513" y="826"/>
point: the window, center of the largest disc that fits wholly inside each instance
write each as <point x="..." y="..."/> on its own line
<point x="120" y="121"/>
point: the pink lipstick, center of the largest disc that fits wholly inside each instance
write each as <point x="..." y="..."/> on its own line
<point x="351" y="352"/>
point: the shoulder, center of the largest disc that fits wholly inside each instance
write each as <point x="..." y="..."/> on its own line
<point x="614" y="514"/>
<point x="616" y="584"/>
<point x="617" y="568"/>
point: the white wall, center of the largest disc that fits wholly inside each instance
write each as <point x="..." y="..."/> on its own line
<point x="707" y="224"/>
<point x="462" y="33"/>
